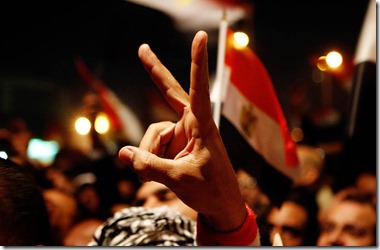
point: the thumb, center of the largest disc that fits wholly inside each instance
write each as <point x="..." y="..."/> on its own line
<point x="148" y="166"/>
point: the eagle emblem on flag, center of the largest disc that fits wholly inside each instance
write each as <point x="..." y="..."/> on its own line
<point x="248" y="119"/>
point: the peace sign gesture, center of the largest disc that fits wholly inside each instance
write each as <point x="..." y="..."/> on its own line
<point x="188" y="156"/>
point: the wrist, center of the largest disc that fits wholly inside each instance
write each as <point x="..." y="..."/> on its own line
<point x="226" y="217"/>
<point x="243" y="235"/>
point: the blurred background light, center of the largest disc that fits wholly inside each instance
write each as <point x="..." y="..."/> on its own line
<point x="42" y="151"/>
<point x="334" y="59"/>
<point x="297" y="134"/>
<point x="82" y="126"/>
<point x="3" y="155"/>
<point x="322" y="64"/>
<point x="102" y="124"/>
<point x="241" y="39"/>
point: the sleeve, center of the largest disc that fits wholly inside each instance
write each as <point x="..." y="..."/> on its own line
<point x="245" y="235"/>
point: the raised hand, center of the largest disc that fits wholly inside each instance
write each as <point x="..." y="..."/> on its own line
<point x="188" y="156"/>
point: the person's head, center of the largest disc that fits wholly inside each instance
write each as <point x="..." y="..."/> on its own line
<point x="367" y="182"/>
<point x="23" y="216"/>
<point x="62" y="210"/>
<point x="143" y="226"/>
<point x="82" y="232"/>
<point x="16" y="135"/>
<point x="68" y="164"/>
<point x="295" y="220"/>
<point x="88" y="199"/>
<point x="153" y="194"/>
<point x="350" y="220"/>
<point x="251" y="192"/>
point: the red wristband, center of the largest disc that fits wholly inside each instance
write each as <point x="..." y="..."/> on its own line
<point x="242" y="236"/>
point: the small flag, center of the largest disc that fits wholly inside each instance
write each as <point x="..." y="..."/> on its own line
<point x="122" y="118"/>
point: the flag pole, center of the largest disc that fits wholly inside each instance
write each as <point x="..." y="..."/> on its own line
<point x="219" y="81"/>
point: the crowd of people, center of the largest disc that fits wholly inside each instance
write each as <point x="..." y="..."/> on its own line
<point x="177" y="188"/>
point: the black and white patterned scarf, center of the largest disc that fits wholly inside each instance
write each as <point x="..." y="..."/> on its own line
<point x="139" y="226"/>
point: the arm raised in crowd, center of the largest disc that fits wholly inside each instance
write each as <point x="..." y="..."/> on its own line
<point x="189" y="157"/>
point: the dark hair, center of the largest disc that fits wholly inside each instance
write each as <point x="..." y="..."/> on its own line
<point x="303" y="197"/>
<point x="24" y="220"/>
<point x="359" y="196"/>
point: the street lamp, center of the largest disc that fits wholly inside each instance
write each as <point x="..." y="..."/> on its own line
<point x="328" y="63"/>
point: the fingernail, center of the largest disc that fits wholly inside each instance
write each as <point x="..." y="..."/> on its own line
<point x="126" y="154"/>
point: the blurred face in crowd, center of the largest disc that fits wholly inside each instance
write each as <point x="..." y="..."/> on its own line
<point x="62" y="209"/>
<point x="348" y="223"/>
<point x="367" y="182"/>
<point x="82" y="232"/>
<point x="289" y="221"/>
<point x="153" y="194"/>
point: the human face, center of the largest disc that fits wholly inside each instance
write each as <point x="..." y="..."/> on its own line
<point x="289" y="221"/>
<point x="348" y="223"/>
<point x="153" y="194"/>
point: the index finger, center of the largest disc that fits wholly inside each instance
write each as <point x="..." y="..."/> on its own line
<point x="164" y="80"/>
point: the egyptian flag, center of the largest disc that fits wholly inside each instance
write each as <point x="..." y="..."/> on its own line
<point x="359" y="154"/>
<point x="258" y="140"/>
<point x="122" y="118"/>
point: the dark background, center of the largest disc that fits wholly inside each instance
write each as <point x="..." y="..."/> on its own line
<point x="40" y="40"/>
